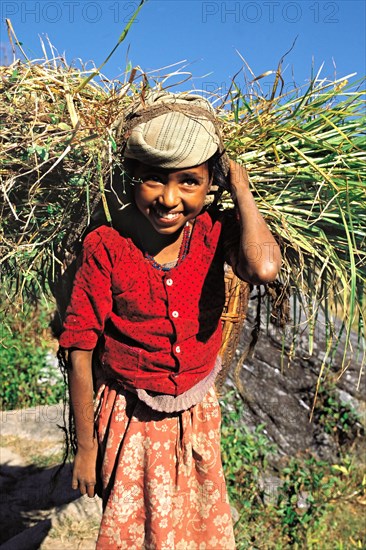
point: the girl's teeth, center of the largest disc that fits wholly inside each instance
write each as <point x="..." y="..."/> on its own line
<point x="167" y="216"/>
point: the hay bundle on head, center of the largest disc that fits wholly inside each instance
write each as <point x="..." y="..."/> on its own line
<point x="304" y="151"/>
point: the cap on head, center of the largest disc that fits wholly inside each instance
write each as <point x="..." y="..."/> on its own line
<point x="172" y="131"/>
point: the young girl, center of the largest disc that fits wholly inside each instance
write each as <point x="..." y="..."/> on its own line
<point x="146" y="307"/>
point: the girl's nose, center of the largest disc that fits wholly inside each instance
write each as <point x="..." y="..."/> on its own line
<point x="170" y="196"/>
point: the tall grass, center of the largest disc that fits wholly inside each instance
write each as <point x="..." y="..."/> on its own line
<point x="305" y="153"/>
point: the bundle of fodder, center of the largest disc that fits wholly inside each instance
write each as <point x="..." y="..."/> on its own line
<point x="304" y="152"/>
<point x="54" y="147"/>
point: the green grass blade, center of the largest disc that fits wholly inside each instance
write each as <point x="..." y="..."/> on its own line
<point x="122" y="37"/>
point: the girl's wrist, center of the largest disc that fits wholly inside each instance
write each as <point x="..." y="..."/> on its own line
<point x="87" y="445"/>
<point x="241" y="190"/>
<point x="241" y="195"/>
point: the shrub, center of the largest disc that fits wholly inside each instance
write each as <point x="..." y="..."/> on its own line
<point x="28" y="376"/>
<point x="306" y="491"/>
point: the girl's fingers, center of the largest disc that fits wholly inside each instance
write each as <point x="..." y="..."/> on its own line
<point x="87" y="488"/>
<point x="90" y="489"/>
<point x="84" y="487"/>
<point x="84" y="475"/>
<point x="74" y="483"/>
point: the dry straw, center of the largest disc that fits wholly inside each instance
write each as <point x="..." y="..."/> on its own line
<point x="304" y="150"/>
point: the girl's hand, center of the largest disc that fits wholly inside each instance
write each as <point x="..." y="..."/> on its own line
<point x="238" y="178"/>
<point x="84" y="470"/>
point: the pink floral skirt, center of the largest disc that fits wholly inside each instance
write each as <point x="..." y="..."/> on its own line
<point x="163" y="486"/>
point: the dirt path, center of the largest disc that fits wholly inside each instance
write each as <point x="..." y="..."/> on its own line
<point x="37" y="511"/>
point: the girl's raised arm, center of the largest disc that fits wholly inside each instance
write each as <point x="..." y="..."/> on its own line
<point x="81" y="394"/>
<point x="258" y="260"/>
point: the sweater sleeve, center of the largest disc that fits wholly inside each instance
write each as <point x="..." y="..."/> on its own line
<point x="91" y="298"/>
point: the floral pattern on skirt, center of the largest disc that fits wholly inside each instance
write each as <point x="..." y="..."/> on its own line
<point x="163" y="486"/>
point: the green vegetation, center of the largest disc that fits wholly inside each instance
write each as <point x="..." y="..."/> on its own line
<point x="303" y="503"/>
<point x="27" y="374"/>
<point x="336" y="417"/>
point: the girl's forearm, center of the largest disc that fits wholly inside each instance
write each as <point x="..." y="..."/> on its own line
<point x="259" y="257"/>
<point x="81" y="395"/>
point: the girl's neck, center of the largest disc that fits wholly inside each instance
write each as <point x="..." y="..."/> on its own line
<point x="164" y="248"/>
<point x="170" y="256"/>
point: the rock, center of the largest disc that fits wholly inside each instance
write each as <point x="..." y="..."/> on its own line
<point x="234" y="514"/>
<point x="9" y="458"/>
<point x="83" y="508"/>
<point x="280" y="394"/>
<point x="36" y="423"/>
<point x="270" y="485"/>
<point x="302" y="501"/>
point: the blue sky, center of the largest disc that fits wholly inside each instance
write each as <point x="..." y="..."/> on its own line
<point x="207" y="34"/>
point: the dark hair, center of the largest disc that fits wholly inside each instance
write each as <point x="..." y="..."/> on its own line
<point x="215" y="169"/>
<point x="129" y="166"/>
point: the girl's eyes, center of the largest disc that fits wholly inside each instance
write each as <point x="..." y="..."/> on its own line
<point x="152" y="177"/>
<point x="190" y="182"/>
<point x="158" y="179"/>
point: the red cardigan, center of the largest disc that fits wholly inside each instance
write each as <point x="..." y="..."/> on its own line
<point x="157" y="330"/>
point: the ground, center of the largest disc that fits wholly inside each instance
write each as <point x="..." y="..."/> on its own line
<point x="36" y="510"/>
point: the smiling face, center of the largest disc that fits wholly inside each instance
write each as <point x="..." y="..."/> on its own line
<point x="170" y="198"/>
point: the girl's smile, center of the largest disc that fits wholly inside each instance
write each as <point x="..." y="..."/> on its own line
<point x="170" y="198"/>
<point x="166" y="217"/>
